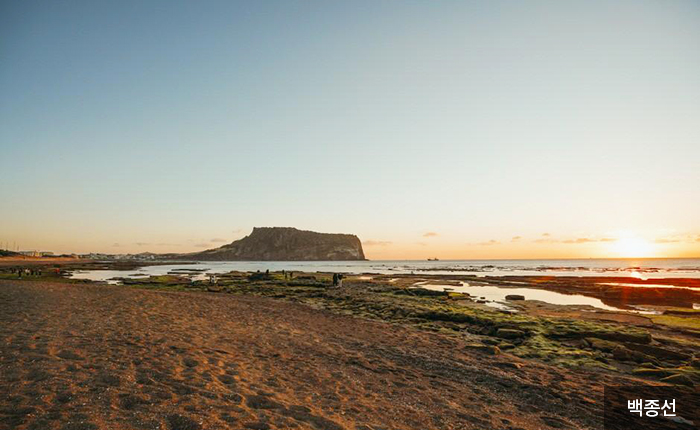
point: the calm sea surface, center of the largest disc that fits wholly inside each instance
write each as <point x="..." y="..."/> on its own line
<point x="651" y="268"/>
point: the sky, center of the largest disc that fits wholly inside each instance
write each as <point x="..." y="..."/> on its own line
<point x="448" y="129"/>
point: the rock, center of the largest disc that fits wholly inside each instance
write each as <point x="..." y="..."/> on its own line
<point x="656" y="372"/>
<point x="510" y="333"/>
<point x="458" y="296"/>
<point x="600" y="344"/>
<point x="576" y="331"/>
<point x="488" y="349"/>
<point x="285" y="244"/>
<point x="515" y="297"/>
<point x="510" y="365"/>
<point x="418" y="291"/>
<point x="678" y="379"/>
<point x="622" y="353"/>
<point x="658" y="352"/>
<point x="682" y="312"/>
<point x="632" y="337"/>
<point x="493" y="350"/>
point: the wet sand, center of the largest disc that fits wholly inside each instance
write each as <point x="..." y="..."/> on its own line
<point x="85" y="356"/>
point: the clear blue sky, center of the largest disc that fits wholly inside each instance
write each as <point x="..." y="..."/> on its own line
<point x="170" y="126"/>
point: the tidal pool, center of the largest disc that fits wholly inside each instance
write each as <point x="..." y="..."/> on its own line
<point x="496" y="296"/>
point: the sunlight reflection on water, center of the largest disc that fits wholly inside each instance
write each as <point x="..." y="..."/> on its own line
<point x="497" y="295"/>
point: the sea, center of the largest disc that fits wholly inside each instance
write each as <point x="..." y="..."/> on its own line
<point x="647" y="268"/>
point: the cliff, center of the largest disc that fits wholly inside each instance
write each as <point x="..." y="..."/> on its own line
<point x="286" y="244"/>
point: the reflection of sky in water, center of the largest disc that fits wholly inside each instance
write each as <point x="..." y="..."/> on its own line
<point x="106" y="275"/>
<point x="498" y="294"/>
<point x="622" y="284"/>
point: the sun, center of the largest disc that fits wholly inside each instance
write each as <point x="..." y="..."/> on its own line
<point x="633" y="247"/>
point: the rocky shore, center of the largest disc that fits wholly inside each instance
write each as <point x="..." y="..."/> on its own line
<point x="265" y="351"/>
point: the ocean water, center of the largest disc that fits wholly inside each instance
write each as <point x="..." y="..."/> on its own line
<point x="650" y="268"/>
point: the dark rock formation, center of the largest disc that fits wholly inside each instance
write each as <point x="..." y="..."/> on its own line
<point x="286" y="244"/>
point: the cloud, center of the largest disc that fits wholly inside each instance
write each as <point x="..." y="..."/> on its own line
<point x="202" y="245"/>
<point x="421" y="244"/>
<point x="576" y="241"/>
<point x="218" y="240"/>
<point x="376" y="243"/>
<point x="546" y="238"/>
<point x="579" y="240"/>
<point x="666" y="240"/>
<point x="688" y="238"/>
<point x="489" y="243"/>
<point x="151" y="244"/>
<point x="515" y="238"/>
<point x="116" y="245"/>
<point x="430" y="234"/>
